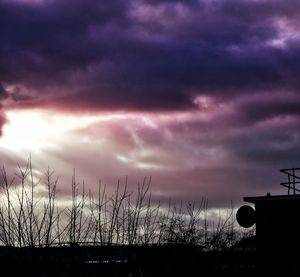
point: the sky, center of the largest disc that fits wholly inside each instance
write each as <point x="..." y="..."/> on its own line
<point x="202" y="95"/>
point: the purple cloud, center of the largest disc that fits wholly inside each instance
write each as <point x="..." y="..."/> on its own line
<point x="218" y="79"/>
<point x="152" y="55"/>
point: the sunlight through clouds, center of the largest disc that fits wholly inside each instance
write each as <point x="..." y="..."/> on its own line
<point x="37" y="130"/>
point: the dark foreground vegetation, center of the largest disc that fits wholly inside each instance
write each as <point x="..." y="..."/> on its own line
<point x="135" y="261"/>
<point x="119" y="233"/>
<point x="244" y="259"/>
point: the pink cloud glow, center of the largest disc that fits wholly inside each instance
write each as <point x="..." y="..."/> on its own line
<point x="203" y="153"/>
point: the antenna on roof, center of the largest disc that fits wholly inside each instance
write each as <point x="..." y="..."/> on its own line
<point x="293" y="180"/>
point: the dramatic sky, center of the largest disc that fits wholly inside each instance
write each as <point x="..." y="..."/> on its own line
<point x="203" y="95"/>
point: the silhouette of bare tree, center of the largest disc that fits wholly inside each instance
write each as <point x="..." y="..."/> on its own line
<point x="31" y="214"/>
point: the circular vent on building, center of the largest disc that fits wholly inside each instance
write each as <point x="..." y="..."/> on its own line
<point x="245" y="216"/>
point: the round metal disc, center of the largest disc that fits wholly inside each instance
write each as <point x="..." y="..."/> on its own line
<point x="245" y="216"/>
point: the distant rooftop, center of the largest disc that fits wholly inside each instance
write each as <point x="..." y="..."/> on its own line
<point x="255" y="199"/>
<point x="293" y="193"/>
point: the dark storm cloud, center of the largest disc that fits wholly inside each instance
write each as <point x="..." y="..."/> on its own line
<point x="39" y="40"/>
<point x="266" y="106"/>
<point x="151" y="54"/>
<point x="159" y="2"/>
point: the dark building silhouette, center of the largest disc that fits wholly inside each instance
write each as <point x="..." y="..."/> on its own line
<point x="277" y="219"/>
